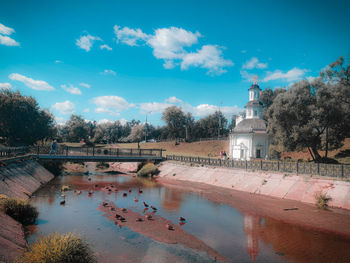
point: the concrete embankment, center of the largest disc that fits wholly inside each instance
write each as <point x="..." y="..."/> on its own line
<point x="19" y="179"/>
<point x="301" y="188"/>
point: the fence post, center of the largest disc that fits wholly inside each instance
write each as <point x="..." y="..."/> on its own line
<point x="220" y="162"/>
<point x="209" y="160"/>
<point x="318" y="168"/>
<point x="246" y="164"/>
<point x="38" y="150"/>
<point x="342" y="170"/>
<point x="260" y="164"/>
<point x="233" y="163"/>
<point x="278" y="165"/>
<point x="152" y="152"/>
<point x="66" y="150"/>
<point x="87" y="151"/>
<point x="93" y="151"/>
<point x="297" y="166"/>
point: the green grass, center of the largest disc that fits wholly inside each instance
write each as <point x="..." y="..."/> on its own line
<point x="58" y="248"/>
<point x="20" y="210"/>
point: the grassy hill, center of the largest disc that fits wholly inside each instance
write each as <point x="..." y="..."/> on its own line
<point x="202" y="149"/>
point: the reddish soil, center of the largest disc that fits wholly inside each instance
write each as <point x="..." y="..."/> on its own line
<point x="157" y="229"/>
<point x="335" y="221"/>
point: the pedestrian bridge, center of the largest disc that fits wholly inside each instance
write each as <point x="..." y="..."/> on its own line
<point x="93" y="154"/>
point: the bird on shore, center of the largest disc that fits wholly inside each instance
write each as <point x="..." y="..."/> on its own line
<point x="182" y="219"/>
<point x="154" y="208"/>
<point x="112" y="209"/>
<point x="139" y="219"/>
<point x="124" y="210"/>
<point x="122" y="219"/>
<point x="146" y="205"/>
<point x="149" y="217"/>
<point x="125" y="194"/>
<point x="140" y="191"/>
<point x="129" y="190"/>
<point x="136" y="200"/>
<point x="91" y="192"/>
<point x="169" y="227"/>
<point x="105" y="204"/>
<point x="117" y="216"/>
<point x="63" y="202"/>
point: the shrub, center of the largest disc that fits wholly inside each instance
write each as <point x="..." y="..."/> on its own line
<point x="102" y="165"/>
<point x="58" y="248"/>
<point x="322" y="200"/>
<point x="20" y="210"/>
<point x="148" y="169"/>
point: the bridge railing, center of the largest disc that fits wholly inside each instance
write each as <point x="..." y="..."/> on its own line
<point x="94" y="151"/>
<point x="6" y="152"/>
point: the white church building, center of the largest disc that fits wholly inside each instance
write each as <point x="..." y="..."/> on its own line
<point x="249" y="139"/>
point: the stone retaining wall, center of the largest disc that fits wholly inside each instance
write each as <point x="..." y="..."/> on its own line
<point x="18" y="179"/>
<point x="302" y="188"/>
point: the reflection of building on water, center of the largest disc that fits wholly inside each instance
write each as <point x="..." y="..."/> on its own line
<point x="252" y="225"/>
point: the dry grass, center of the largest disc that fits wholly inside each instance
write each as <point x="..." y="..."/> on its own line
<point x="322" y="200"/>
<point x="58" y="248"/>
<point x="149" y="169"/>
<point x="201" y="149"/>
<point x="336" y="154"/>
<point x="20" y="210"/>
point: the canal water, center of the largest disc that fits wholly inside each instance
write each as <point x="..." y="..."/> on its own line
<point x="231" y="234"/>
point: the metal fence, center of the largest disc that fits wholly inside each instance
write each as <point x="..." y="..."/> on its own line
<point x="6" y="152"/>
<point x="93" y="151"/>
<point x="331" y="170"/>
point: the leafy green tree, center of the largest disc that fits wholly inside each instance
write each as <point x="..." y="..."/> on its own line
<point x="77" y="129"/>
<point x="267" y="96"/>
<point x="212" y="126"/>
<point x="22" y="122"/>
<point x="176" y="121"/>
<point x="313" y="115"/>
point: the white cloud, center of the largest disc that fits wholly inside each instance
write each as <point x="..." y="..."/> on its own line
<point x="108" y="72"/>
<point x="247" y="76"/>
<point x="208" y="57"/>
<point x="4" y="36"/>
<point x="311" y="79"/>
<point x="169" y="43"/>
<point x="129" y="36"/>
<point x="86" y="42"/>
<point x="5" y="85"/>
<point x="86" y="110"/>
<point x="106" y="47"/>
<point x="6" y="30"/>
<point x="123" y="121"/>
<point x="254" y="63"/>
<point x="291" y="75"/>
<point x="85" y="85"/>
<point x="60" y="120"/>
<point x="66" y="107"/>
<point x="71" y="89"/>
<point x="200" y="110"/>
<point x="31" y="83"/>
<point x="173" y="99"/>
<point x="7" y="41"/>
<point x="103" y="121"/>
<point x="111" y="104"/>
<point x="105" y="110"/>
<point x="153" y="107"/>
<point x="58" y="61"/>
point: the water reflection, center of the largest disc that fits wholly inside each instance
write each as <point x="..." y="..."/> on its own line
<point x="238" y="236"/>
<point x="252" y="226"/>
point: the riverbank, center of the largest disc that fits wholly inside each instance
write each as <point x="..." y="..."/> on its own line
<point x="302" y="188"/>
<point x="18" y="179"/>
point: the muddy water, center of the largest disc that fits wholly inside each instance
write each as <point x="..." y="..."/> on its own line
<point x="212" y="231"/>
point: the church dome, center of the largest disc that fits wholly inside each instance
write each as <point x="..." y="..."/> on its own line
<point x="251" y="125"/>
<point x="254" y="103"/>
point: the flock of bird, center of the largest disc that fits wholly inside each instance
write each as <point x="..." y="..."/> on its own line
<point x="112" y="188"/>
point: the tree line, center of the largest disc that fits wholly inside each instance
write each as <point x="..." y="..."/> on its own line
<point x="309" y="114"/>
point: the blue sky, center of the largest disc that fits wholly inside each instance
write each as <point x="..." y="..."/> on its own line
<point x="110" y="60"/>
